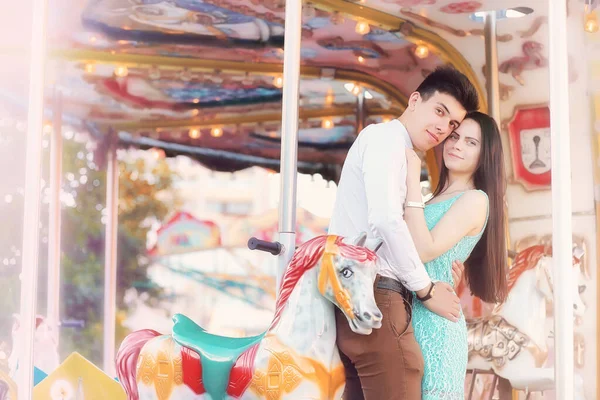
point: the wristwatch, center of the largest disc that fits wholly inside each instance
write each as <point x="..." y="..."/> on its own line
<point x="429" y="294"/>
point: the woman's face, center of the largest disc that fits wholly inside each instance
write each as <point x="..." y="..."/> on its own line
<point x="463" y="148"/>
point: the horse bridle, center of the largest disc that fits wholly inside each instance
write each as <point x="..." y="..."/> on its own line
<point x="548" y="277"/>
<point x="328" y="273"/>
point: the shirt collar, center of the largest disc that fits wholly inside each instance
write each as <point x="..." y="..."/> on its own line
<point x="404" y="133"/>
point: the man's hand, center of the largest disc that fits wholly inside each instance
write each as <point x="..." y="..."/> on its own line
<point x="413" y="166"/>
<point x="457" y="271"/>
<point x="444" y="302"/>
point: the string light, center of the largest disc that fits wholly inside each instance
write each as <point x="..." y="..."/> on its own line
<point x="329" y="99"/>
<point x="47" y="128"/>
<point x="591" y="22"/>
<point x="591" y="19"/>
<point x="121" y="71"/>
<point x="422" y="51"/>
<point x="362" y="28"/>
<point x="327" y="123"/>
<point x="194" y="133"/>
<point x="216" y="132"/>
<point x="157" y="153"/>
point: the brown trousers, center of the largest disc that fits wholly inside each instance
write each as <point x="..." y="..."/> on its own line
<point x="387" y="364"/>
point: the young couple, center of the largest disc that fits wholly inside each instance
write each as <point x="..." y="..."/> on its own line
<point x="420" y="352"/>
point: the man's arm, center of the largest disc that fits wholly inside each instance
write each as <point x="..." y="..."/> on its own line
<point x="384" y="175"/>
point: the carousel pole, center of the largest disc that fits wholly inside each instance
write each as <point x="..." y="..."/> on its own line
<point x="491" y="61"/>
<point x="110" y="255"/>
<point x="493" y="100"/>
<point x="562" y="235"/>
<point x="31" y="214"/>
<point x="289" y="134"/>
<point x="53" y="313"/>
<point x="361" y="112"/>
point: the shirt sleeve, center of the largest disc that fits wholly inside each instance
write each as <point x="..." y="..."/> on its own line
<point x="384" y="175"/>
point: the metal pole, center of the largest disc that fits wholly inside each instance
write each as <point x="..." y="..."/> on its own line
<point x="360" y="111"/>
<point x="289" y="133"/>
<point x="493" y="96"/>
<point x="491" y="60"/>
<point x="56" y="149"/>
<point x="562" y="238"/>
<point x="31" y="215"/>
<point x="110" y="255"/>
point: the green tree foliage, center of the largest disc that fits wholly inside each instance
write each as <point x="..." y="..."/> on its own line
<point x="143" y="183"/>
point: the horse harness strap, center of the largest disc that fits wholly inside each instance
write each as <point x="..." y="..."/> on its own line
<point x="329" y="274"/>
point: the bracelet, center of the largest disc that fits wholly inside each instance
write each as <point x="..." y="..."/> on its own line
<point x="415" y="204"/>
<point x="429" y="294"/>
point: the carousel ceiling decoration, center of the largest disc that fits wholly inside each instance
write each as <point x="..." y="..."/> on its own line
<point x="204" y="77"/>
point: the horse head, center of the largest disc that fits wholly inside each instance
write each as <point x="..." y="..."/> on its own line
<point x="346" y="275"/>
<point x="545" y="280"/>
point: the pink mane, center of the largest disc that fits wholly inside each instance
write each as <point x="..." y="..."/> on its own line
<point x="305" y="258"/>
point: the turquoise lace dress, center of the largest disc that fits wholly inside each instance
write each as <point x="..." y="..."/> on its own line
<point x="443" y="343"/>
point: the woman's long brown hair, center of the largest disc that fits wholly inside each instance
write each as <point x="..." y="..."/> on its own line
<point x="485" y="270"/>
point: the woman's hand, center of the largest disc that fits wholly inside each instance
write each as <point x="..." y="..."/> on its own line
<point x="413" y="166"/>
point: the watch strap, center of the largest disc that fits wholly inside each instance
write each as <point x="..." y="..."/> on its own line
<point x="429" y="294"/>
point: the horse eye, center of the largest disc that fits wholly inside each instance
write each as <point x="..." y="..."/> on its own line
<point x="581" y="288"/>
<point x="347" y="273"/>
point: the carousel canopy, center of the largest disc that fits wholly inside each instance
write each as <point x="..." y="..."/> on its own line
<point x="204" y="77"/>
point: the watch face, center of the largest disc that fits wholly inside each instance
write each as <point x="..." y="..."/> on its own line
<point x="535" y="150"/>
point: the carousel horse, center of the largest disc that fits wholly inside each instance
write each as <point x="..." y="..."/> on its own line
<point x="45" y="348"/>
<point x="295" y="358"/>
<point x="511" y="341"/>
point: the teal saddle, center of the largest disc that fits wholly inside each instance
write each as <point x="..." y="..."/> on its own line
<point x="217" y="353"/>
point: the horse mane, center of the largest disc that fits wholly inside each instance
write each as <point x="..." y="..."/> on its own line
<point x="305" y="258"/>
<point x="526" y="260"/>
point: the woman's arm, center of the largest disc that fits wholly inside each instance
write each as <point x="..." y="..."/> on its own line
<point x="466" y="216"/>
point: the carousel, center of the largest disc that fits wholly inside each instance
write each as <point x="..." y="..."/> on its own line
<point x="286" y="86"/>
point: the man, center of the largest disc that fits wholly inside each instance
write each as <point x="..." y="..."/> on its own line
<point x="388" y="364"/>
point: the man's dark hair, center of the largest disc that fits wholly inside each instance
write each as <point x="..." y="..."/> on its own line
<point x="449" y="81"/>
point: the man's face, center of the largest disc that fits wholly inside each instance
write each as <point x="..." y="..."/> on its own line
<point x="430" y="121"/>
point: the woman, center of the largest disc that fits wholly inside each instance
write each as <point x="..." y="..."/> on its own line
<point x="464" y="219"/>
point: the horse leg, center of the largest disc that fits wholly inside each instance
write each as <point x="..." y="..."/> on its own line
<point x="504" y="389"/>
<point x="472" y="386"/>
<point x="494" y="382"/>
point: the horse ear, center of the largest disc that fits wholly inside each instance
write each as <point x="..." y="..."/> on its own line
<point x="374" y="244"/>
<point x="358" y="240"/>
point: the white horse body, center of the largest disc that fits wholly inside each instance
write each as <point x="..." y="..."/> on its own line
<point x="296" y="358"/>
<point x="512" y="341"/>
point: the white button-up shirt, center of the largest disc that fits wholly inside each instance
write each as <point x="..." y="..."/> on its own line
<point x="370" y="198"/>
